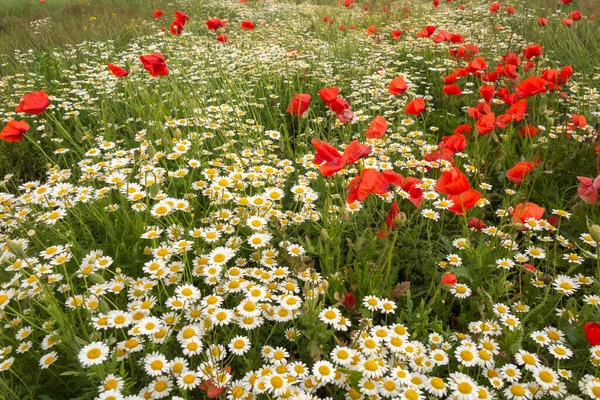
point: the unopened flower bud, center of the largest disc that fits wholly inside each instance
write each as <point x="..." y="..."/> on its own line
<point x="595" y="232"/>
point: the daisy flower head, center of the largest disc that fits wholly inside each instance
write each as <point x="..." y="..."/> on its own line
<point x="220" y="255"/>
<point x="324" y="371"/>
<point x="93" y="354"/>
<point x="461" y="290"/>
<point x="372" y="303"/>
<point x="48" y="359"/>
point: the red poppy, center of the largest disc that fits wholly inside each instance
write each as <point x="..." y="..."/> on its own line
<point x="449" y="279"/>
<point x="588" y="189"/>
<point x="396" y="34"/>
<point x="592" y="332"/>
<point x="415" y="107"/>
<point x="182" y="17"/>
<point x="523" y="212"/>
<point x="214" y="24"/>
<point x="531" y="86"/>
<point x="158" y="14"/>
<point x="529" y="130"/>
<point x="328" y="95"/>
<point x="452" y="90"/>
<point x="566" y="1"/>
<point x="464" y="201"/>
<point x="371" y="30"/>
<point x="487" y="92"/>
<point x="510" y="10"/>
<point x="456" y="142"/>
<point x="14" y="131"/>
<point x="355" y="151"/>
<point x="377" y="128"/>
<point x="495" y="7"/>
<point x="518" y="110"/>
<point x="575" y="15"/>
<point x="117" y="71"/>
<point x="338" y="106"/>
<point x="176" y="27"/>
<point x="412" y="186"/>
<point x="213" y="391"/>
<point x="502" y="121"/>
<point x="529" y="267"/>
<point x="222" y="38"/>
<point x="397" y="86"/>
<point x="361" y="185"/>
<point x="299" y="104"/>
<point x="463" y="129"/>
<point x="456" y="38"/>
<point x="33" y="103"/>
<point x="328" y="154"/>
<point x="450" y="79"/>
<point x="476" y="223"/>
<point x="426" y="31"/>
<point x="479" y="111"/>
<point x="519" y="171"/>
<point x="568" y="22"/>
<point x="155" y="64"/>
<point x="442" y="36"/>
<point x="452" y="182"/>
<point x="534" y="50"/>
<point x="386" y="181"/>
<point x="343" y="27"/>
<point x="389" y="221"/>
<point x="485" y="124"/>
<point x="579" y="120"/>
<point x="248" y="25"/>
<point x="528" y="66"/>
<point x="542" y="21"/>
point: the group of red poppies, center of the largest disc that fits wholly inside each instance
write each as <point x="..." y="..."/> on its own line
<point x="34" y="104"/>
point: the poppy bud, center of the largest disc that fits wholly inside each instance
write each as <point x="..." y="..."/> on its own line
<point x="595" y="232"/>
<point x="400" y="219"/>
<point x="177" y="133"/>
<point x="349" y="300"/>
<point x="529" y="267"/>
<point x="15" y="248"/>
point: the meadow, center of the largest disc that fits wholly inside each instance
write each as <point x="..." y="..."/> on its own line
<point x="299" y="199"/>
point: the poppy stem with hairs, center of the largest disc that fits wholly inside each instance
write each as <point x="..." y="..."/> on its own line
<point x="40" y="148"/>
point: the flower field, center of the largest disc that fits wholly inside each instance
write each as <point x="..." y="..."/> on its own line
<point x="301" y="200"/>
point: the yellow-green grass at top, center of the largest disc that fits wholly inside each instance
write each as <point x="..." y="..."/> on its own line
<point x="30" y="24"/>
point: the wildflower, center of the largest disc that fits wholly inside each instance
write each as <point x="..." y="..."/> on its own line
<point x="14" y="131"/>
<point x="93" y="354"/>
<point x="155" y="64"/>
<point x="33" y="103"/>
